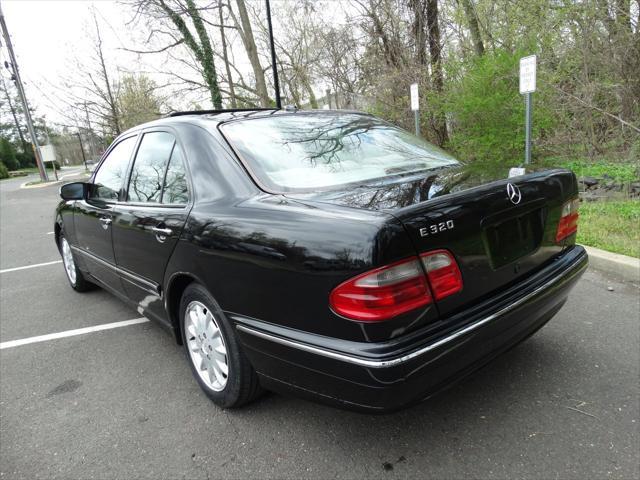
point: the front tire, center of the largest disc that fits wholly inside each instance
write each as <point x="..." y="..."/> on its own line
<point x="74" y="275"/>
<point x="213" y="351"/>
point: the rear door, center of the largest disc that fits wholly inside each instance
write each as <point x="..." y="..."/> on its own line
<point x="148" y="223"/>
<point x="93" y="217"/>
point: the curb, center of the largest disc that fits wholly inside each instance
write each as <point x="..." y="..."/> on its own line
<point x="61" y="179"/>
<point x="623" y="267"/>
<point x="40" y="185"/>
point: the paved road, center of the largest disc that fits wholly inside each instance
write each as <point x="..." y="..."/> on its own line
<point x="122" y="403"/>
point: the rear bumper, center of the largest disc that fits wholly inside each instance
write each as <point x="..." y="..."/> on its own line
<point x="385" y="376"/>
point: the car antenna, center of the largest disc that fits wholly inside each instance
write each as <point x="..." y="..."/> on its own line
<point x="276" y="84"/>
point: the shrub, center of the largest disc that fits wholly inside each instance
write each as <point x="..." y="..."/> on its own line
<point x="26" y="159"/>
<point x="8" y="155"/>
<point x="4" y="173"/>
<point x="486" y="111"/>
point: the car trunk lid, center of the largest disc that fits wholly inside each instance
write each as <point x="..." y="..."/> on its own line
<point x="498" y="231"/>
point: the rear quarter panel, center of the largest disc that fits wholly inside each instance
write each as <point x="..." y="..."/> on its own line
<point x="276" y="260"/>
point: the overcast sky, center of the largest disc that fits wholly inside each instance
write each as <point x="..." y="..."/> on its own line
<point x="50" y="37"/>
<point x="47" y="35"/>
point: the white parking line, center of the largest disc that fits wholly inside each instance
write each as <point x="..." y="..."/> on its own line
<point x="15" y="269"/>
<point x="71" y="333"/>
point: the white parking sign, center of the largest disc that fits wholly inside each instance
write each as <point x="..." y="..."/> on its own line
<point x="528" y="74"/>
<point x="414" y="97"/>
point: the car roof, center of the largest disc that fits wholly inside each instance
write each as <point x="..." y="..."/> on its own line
<point x="213" y="118"/>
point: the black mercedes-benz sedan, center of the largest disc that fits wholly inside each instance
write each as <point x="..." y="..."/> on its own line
<point x="325" y="253"/>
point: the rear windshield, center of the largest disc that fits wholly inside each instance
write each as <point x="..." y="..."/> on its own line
<point x="304" y="152"/>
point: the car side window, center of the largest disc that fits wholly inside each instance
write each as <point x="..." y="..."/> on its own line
<point x="109" y="177"/>
<point x="149" y="167"/>
<point x="176" y="190"/>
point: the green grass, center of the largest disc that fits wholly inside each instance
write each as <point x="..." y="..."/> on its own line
<point x="622" y="172"/>
<point x="612" y="226"/>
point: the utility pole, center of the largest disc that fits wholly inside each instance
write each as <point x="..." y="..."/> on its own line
<point x="84" y="158"/>
<point x="92" y="149"/>
<point x="23" y="98"/>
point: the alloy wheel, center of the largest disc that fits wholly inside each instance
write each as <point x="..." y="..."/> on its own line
<point x="206" y="346"/>
<point x="67" y="260"/>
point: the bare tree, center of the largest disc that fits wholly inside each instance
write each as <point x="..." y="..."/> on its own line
<point x="93" y="88"/>
<point x="103" y="82"/>
<point x="225" y="58"/>
<point x="245" y="29"/>
<point x="177" y="15"/>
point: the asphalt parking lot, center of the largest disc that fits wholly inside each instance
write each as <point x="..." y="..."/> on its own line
<point x="122" y="402"/>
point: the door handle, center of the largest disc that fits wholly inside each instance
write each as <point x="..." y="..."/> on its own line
<point x="106" y="221"/>
<point x="161" y="233"/>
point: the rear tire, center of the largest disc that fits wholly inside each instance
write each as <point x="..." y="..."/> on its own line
<point x="76" y="279"/>
<point x="214" y="354"/>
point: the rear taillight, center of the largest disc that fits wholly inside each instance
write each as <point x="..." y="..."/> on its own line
<point x="443" y="272"/>
<point x="386" y="292"/>
<point x="382" y="293"/>
<point x="568" y="224"/>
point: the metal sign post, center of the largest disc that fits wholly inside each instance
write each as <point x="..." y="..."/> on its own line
<point x="274" y="65"/>
<point x="415" y="106"/>
<point x="527" y="87"/>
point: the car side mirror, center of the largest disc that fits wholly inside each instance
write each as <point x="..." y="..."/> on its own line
<point x="74" y="191"/>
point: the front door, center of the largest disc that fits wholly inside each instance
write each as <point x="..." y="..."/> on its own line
<point x="93" y="217"/>
<point x="148" y="223"/>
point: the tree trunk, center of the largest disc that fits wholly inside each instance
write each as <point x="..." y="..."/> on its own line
<point x="474" y="27"/>
<point x="313" y="102"/>
<point x="208" y="65"/>
<point x="246" y="34"/>
<point x="225" y="58"/>
<point x="435" y="50"/>
<point x="391" y="51"/>
<point x="418" y="31"/>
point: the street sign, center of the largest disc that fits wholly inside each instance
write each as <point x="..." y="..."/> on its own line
<point x="414" y="97"/>
<point x="48" y="153"/>
<point x="528" y="74"/>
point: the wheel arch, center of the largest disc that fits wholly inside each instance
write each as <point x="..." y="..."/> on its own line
<point x="57" y="230"/>
<point x="177" y="284"/>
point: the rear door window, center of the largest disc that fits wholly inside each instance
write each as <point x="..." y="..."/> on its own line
<point x="176" y="190"/>
<point x="150" y="165"/>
